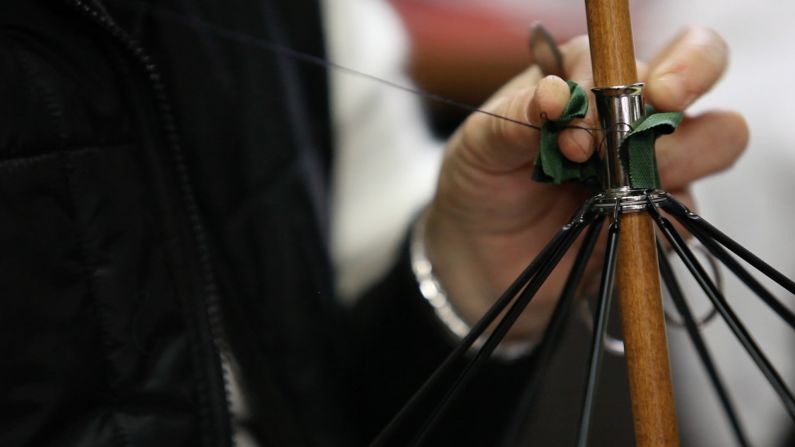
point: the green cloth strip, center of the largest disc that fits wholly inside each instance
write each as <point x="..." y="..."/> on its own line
<point x="551" y="166"/>
<point x="636" y="151"/>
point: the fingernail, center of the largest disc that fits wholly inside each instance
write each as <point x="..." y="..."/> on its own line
<point x="553" y="94"/>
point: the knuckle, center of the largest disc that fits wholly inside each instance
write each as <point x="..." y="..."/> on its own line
<point x="707" y="55"/>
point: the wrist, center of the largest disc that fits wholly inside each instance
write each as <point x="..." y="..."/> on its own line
<point x="455" y="312"/>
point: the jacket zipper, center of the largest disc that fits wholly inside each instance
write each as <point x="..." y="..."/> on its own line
<point x="214" y="324"/>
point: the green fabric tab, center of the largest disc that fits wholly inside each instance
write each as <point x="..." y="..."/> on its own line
<point x="551" y="166"/>
<point x="637" y="149"/>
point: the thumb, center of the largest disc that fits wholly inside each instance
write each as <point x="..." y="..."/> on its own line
<point x="499" y="145"/>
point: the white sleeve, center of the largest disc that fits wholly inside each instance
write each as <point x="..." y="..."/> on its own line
<point x="385" y="160"/>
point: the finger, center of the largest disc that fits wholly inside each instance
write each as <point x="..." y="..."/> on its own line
<point x="577" y="60"/>
<point x="574" y="143"/>
<point x="550" y="98"/>
<point x="703" y="145"/>
<point x="470" y="138"/>
<point x="499" y="145"/>
<point x="579" y="141"/>
<point x="686" y="69"/>
<point x="531" y="76"/>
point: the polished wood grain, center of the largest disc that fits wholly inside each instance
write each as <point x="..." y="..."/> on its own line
<point x="638" y="285"/>
<point x="610" y="37"/>
<point x="637" y="274"/>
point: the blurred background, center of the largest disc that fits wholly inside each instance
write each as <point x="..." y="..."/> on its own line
<point x="466" y="49"/>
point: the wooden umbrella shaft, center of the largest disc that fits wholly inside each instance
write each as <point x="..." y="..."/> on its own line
<point x="637" y="278"/>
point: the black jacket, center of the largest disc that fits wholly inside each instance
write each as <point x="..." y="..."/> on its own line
<point x="163" y="195"/>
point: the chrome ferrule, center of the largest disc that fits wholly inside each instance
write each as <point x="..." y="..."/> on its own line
<point x="619" y="107"/>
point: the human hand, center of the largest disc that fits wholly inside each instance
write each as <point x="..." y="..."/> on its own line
<point x="488" y="218"/>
